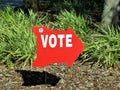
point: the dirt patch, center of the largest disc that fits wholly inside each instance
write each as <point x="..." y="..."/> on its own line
<point x="77" y="77"/>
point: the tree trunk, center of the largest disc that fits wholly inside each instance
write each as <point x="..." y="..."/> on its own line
<point x="111" y="12"/>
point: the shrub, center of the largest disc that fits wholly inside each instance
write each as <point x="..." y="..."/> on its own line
<point x="17" y="42"/>
<point x="104" y="46"/>
<point x="69" y="19"/>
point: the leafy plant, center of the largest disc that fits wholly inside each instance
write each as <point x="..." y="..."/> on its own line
<point x="104" y="46"/>
<point x="17" y="42"/>
<point x="69" y="19"/>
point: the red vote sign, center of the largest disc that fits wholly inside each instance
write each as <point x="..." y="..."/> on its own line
<point x="56" y="46"/>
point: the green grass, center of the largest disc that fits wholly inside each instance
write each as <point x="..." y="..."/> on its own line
<point x="17" y="42"/>
<point x="104" y="47"/>
<point x="69" y="19"/>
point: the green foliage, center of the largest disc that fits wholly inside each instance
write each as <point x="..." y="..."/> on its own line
<point x="69" y="19"/>
<point x="104" y="46"/>
<point x="17" y="42"/>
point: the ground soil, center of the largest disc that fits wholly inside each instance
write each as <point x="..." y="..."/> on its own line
<point x="80" y="76"/>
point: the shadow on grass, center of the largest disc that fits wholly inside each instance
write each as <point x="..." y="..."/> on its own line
<point x="37" y="78"/>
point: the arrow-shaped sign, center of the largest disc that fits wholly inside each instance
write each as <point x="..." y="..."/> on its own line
<point x="56" y="46"/>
